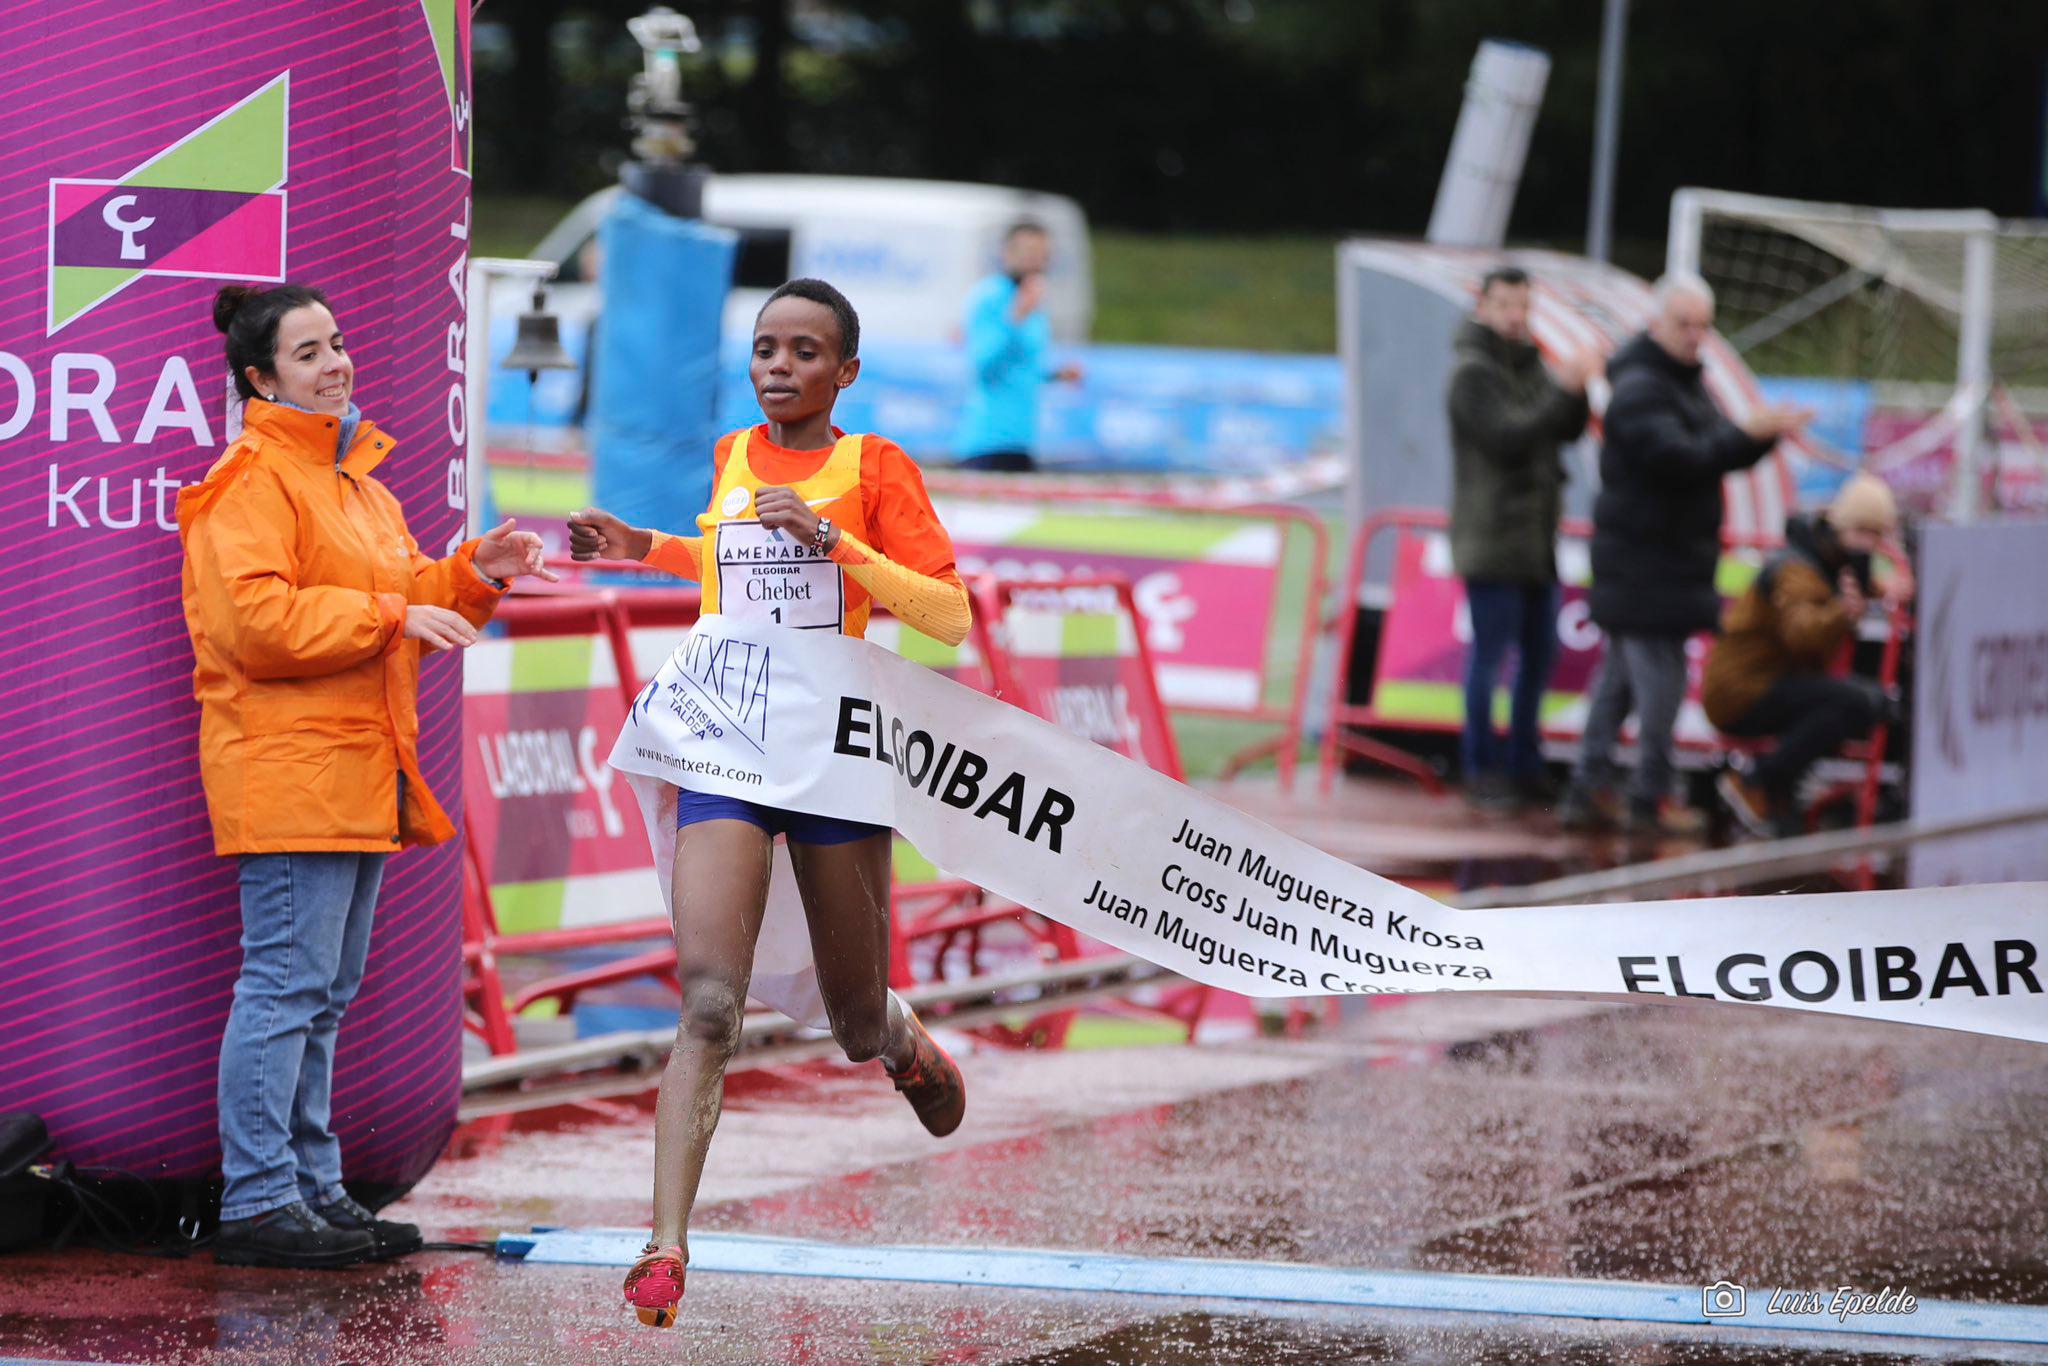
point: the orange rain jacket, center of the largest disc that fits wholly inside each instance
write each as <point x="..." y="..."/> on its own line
<point x="297" y="576"/>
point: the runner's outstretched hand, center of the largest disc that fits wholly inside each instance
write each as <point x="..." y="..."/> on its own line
<point x="595" y="534"/>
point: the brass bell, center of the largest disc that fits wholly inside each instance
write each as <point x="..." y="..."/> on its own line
<point x="538" y="345"/>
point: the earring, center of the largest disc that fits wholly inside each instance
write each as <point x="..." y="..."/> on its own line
<point x="271" y="397"/>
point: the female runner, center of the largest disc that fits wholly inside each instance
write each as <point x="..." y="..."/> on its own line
<point x="859" y="504"/>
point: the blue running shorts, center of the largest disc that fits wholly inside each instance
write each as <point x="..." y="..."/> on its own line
<point x="800" y="827"/>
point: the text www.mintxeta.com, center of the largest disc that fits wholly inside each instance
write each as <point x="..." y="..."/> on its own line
<point x="703" y="767"/>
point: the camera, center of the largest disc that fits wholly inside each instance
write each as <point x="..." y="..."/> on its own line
<point x="1723" y="1300"/>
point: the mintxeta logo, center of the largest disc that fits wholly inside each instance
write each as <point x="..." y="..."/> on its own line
<point x="210" y="205"/>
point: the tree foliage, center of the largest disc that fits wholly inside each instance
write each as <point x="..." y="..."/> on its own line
<point x="1297" y="115"/>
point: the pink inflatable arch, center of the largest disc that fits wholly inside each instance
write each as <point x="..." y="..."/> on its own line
<point x="155" y="149"/>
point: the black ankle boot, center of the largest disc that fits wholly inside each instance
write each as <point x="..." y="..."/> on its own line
<point x="291" y="1236"/>
<point x="393" y="1239"/>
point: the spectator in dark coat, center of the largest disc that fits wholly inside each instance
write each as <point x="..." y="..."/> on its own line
<point x="1656" y="545"/>
<point x="1509" y="416"/>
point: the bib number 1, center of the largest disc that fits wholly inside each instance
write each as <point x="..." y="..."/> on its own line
<point x="769" y="577"/>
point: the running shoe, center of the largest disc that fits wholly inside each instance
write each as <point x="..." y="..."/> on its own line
<point x="931" y="1083"/>
<point x="654" y="1286"/>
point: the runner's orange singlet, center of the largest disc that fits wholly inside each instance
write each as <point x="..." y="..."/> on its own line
<point x="753" y="574"/>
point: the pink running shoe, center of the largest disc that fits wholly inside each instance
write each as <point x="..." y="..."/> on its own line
<point x="932" y="1083"/>
<point x="654" y="1286"/>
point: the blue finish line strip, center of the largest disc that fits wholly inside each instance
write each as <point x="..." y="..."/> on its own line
<point x="1272" y="1281"/>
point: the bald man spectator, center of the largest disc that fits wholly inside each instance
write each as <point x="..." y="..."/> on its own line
<point x="1656" y="547"/>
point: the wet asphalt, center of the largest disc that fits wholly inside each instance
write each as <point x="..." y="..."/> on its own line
<point x="1671" y="1142"/>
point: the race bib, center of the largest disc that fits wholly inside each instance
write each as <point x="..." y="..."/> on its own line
<point x="771" y="577"/>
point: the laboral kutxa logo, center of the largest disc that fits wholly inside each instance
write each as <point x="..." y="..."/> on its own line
<point x="211" y="205"/>
<point x="448" y="21"/>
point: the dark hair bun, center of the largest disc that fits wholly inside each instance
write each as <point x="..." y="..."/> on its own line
<point x="249" y="314"/>
<point x="229" y="302"/>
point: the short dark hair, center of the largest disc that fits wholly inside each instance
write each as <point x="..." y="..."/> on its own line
<point x="818" y="292"/>
<point x="1022" y="226"/>
<point x="249" y="315"/>
<point x="1503" y="275"/>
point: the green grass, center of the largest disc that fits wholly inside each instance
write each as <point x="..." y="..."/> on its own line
<point x="512" y="225"/>
<point x="1236" y="293"/>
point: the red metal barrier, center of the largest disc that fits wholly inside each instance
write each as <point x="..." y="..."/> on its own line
<point x="1157" y="746"/>
<point x="1025" y="686"/>
<point x="536" y="610"/>
<point x="1290" y="716"/>
<point x="933" y="925"/>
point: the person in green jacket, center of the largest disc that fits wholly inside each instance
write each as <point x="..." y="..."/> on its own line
<point x="1509" y="415"/>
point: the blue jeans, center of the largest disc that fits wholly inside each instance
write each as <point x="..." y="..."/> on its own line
<point x="305" y="939"/>
<point x="1522" y="615"/>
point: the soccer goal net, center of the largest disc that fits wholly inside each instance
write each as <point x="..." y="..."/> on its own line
<point x="1923" y="333"/>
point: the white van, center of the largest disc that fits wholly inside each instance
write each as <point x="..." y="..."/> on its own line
<point x="906" y="252"/>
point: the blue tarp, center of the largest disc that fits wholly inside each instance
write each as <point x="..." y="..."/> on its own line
<point x="1137" y="407"/>
<point x="654" y="391"/>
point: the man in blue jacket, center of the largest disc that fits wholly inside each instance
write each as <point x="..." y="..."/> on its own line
<point x="1009" y="342"/>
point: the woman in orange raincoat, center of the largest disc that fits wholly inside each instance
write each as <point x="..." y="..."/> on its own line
<point x="309" y="605"/>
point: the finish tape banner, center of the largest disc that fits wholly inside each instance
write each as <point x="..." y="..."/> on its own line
<point x="992" y="794"/>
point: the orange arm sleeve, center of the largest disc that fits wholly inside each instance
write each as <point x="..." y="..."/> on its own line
<point x="935" y="604"/>
<point x="682" y="556"/>
<point x="910" y="568"/>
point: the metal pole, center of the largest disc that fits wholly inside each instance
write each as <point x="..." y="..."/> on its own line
<point x="477" y="401"/>
<point x="1606" y="130"/>
<point x="477" y="369"/>
<point x="1682" y="238"/>
<point x="1973" y="371"/>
